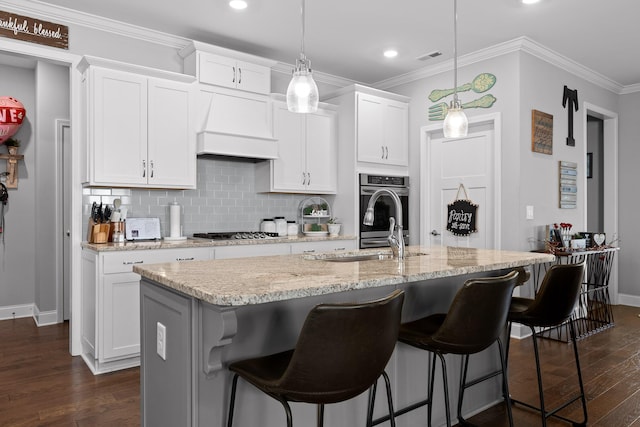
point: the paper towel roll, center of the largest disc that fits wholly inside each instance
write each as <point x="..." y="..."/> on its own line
<point x="174" y="219"/>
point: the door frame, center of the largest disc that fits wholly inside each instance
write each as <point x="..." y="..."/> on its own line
<point x="610" y="174"/>
<point x="62" y="187"/>
<point x="427" y="134"/>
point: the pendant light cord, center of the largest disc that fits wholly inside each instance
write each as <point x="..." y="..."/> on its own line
<point x="302" y="55"/>
<point x="455" y="51"/>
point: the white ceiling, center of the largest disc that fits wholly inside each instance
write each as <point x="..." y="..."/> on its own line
<point x="346" y="37"/>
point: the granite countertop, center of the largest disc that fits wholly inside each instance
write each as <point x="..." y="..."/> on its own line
<point x="202" y="243"/>
<point x="242" y="281"/>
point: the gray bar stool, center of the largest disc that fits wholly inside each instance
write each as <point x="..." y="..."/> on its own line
<point x="341" y="352"/>
<point x="553" y="305"/>
<point x="475" y="320"/>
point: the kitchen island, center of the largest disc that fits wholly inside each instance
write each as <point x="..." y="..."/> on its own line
<point x="197" y="317"/>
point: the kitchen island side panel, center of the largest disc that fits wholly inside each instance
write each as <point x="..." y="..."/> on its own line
<point x="222" y="335"/>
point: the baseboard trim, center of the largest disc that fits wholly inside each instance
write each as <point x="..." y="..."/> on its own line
<point x="16" y="311"/>
<point x="631" y="300"/>
<point x="519" y="331"/>
<point x="44" y="318"/>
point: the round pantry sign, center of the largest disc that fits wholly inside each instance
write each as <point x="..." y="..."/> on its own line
<point x="461" y="216"/>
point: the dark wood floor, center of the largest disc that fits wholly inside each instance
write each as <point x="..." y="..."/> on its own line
<point x="41" y="385"/>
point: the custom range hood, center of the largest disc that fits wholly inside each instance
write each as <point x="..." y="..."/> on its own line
<point x="238" y="127"/>
<point x="234" y="103"/>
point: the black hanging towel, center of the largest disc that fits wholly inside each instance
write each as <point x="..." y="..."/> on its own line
<point x="461" y="214"/>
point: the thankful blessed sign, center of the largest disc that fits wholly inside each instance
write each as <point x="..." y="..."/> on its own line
<point x="33" y="30"/>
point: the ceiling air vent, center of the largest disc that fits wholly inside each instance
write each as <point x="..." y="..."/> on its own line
<point x="429" y="55"/>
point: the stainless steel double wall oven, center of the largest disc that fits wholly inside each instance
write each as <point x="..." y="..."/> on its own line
<point x="375" y="236"/>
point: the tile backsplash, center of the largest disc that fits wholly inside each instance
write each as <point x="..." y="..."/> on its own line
<point x="224" y="200"/>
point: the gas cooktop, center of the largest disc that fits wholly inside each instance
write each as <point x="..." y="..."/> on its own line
<point x="232" y="235"/>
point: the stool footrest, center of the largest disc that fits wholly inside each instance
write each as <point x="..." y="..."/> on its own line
<point x="401" y="412"/>
<point x="553" y="412"/>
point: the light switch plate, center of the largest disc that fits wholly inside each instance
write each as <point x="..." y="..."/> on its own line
<point x="529" y="212"/>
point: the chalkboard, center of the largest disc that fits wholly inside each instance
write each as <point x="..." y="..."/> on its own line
<point x="461" y="217"/>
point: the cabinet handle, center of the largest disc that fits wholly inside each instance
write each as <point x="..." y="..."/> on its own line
<point x="386" y="149"/>
<point x="185" y="259"/>
<point x="309" y="251"/>
<point x="308" y="178"/>
<point x="339" y="249"/>
<point x="233" y="80"/>
<point x="239" y="75"/>
<point x="382" y="157"/>
<point x="132" y="262"/>
<point x="304" y="178"/>
<point x="144" y="168"/>
<point x="151" y="169"/>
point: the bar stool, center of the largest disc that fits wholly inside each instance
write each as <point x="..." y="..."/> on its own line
<point x="553" y="306"/>
<point x="341" y="351"/>
<point x="475" y="320"/>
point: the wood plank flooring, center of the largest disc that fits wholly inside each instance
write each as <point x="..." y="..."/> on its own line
<point x="42" y="385"/>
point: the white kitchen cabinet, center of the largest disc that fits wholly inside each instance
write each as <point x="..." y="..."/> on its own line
<point x="139" y="127"/>
<point x="241" y="251"/>
<point x="110" y="325"/>
<point x="214" y="65"/>
<point x="382" y="130"/>
<point x="307" y="161"/>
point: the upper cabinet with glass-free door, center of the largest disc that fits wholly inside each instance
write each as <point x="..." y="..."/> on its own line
<point x="139" y="126"/>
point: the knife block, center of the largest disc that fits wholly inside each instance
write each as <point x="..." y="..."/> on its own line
<point x="98" y="233"/>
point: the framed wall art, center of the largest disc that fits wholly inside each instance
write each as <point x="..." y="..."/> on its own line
<point x="568" y="185"/>
<point x="541" y="132"/>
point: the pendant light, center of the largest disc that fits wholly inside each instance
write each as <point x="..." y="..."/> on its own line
<point x="302" y="93"/>
<point x="456" y="124"/>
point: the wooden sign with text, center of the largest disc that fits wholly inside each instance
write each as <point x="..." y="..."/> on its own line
<point x="33" y="30"/>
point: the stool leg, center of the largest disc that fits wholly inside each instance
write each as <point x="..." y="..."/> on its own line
<point x="432" y="375"/>
<point x="543" y="411"/>
<point x="575" y="353"/>
<point x="505" y="381"/>
<point x="232" y="401"/>
<point x="320" y="415"/>
<point x="463" y="381"/>
<point x="446" y="388"/>
<point x="392" y="418"/>
<point x="372" y="398"/>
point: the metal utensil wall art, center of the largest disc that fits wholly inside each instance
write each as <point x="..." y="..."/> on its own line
<point x="461" y="214"/>
<point x="480" y="84"/>
<point x="570" y="96"/>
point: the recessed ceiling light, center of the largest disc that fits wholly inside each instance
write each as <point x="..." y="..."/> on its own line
<point x="390" y="53"/>
<point x="530" y="1"/>
<point x="238" y="4"/>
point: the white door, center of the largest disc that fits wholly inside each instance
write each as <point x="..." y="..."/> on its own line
<point x="469" y="161"/>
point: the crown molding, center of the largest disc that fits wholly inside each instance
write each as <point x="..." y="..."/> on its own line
<point x="520" y="44"/>
<point x="71" y="16"/>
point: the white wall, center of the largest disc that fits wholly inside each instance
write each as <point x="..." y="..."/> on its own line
<point x="52" y="102"/>
<point x="629" y="176"/>
<point x="17" y="251"/>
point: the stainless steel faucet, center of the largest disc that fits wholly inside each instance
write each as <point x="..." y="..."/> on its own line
<point x="396" y="238"/>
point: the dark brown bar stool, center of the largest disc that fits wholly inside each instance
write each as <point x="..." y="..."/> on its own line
<point x="476" y="319"/>
<point x="553" y="305"/>
<point x="341" y="352"/>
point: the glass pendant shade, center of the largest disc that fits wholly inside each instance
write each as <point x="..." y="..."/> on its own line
<point x="302" y="93"/>
<point x="456" y="124"/>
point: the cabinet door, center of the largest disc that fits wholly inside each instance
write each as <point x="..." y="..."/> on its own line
<point x="119" y="117"/>
<point x="321" y="157"/>
<point x="120" y="316"/>
<point x="370" y="129"/>
<point x="171" y="146"/>
<point x="288" y="170"/>
<point x="396" y="132"/>
<point x="217" y="70"/>
<point x="322" y="246"/>
<point x="253" y="78"/>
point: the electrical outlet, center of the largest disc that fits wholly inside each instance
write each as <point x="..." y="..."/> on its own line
<point x="161" y="340"/>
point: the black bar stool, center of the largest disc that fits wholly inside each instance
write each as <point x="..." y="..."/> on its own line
<point x="341" y="352"/>
<point x="476" y="319"/>
<point x="553" y="306"/>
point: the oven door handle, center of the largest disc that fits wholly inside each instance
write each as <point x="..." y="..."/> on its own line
<point x="368" y="191"/>
<point x="374" y="243"/>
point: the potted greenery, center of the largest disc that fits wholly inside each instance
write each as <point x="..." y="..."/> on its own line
<point x="334" y="226"/>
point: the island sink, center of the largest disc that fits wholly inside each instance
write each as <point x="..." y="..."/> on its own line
<point x="359" y="256"/>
